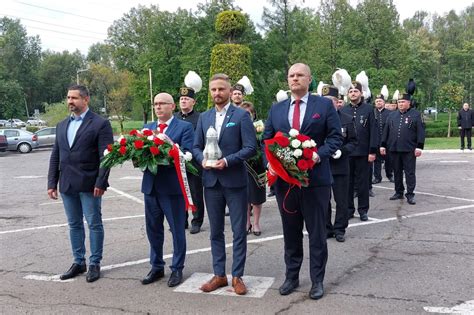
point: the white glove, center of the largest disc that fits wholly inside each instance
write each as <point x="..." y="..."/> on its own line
<point x="337" y="154"/>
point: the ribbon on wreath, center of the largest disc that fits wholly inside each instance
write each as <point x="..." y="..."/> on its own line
<point x="180" y="166"/>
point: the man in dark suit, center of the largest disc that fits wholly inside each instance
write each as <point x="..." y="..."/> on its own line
<point x="226" y="182"/>
<point x="381" y="115"/>
<point x="80" y="142"/>
<point x="465" y="122"/>
<point x="163" y="196"/>
<point x="340" y="169"/>
<point x="364" y="153"/>
<point x="404" y="138"/>
<point x="188" y="113"/>
<point x="315" y="117"/>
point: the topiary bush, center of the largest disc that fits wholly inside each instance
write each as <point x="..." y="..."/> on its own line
<point x="230" y="25"/>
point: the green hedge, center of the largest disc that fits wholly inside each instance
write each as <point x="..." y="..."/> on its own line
<point x="230" y="25"/>
<point x="231" y="59"/>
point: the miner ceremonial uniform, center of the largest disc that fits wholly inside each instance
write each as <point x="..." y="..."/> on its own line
<point x="380" y="120"/>
<point x="403" y="133"/>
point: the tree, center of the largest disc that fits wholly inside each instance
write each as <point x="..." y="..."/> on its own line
<point x="11" y="99"/>
<point x="450" y="96"/>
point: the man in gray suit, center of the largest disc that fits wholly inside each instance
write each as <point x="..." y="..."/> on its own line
<point x="226" y="182"/>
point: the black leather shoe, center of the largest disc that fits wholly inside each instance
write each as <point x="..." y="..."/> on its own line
<point x="317" y="291"/>
<point x="329" y="234"/>
<point x="289" y="286"/>
<point x="364" y="217"/>
<point x="376" y="181"/>
<point x="411" y="200"/>
<point x="371" y="193"/>
<point x="93" y="274"/>
<point x="175" y="278"/>
<point x="74" y="271"/>
<point x="195" y="229"/>
<point x="396" y="196"/>
<point x="152" y="276"/>
<point x="340" y="238"/>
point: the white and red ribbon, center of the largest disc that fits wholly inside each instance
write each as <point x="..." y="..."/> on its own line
<point x="180" y="166"/>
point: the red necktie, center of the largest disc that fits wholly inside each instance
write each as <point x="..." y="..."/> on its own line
<point x="296" y="115"/>
<point x="162" y="127"/>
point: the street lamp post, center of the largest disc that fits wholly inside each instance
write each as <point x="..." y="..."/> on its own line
<point x="79" y="71"/>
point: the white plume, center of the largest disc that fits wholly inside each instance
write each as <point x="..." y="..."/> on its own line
<point x="281" y="96"/>
<point x="395" y="95"/>
<point x="363" y="80"/>
<point x="319" y="89"/>
<point x="246" y="84"/>
<point x="342" y="80"/>
<point x="366" y="93"/>
<point x="193" y="80"/>
<point x="384" y="92"/>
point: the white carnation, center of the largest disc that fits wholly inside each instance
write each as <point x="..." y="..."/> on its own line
<point x="106" y="152"/>
<point x="150" y="137"/>
<point x="295" y="143"/>
<point x="313" y="144"/>
<point x="315" y="156"/>
<point x="306" y="144"/>
<point x="297" y="153"/>
<point x="188" y="156"/>
<point x="293" y="132"/>
<point x="161" y="136"/>
<point x="120" y="138"/>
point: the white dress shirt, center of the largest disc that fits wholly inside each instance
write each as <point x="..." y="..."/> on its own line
<point x="303" y="103"/>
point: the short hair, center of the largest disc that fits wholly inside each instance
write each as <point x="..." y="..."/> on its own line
<point x="220" y="76"/>
<point x="249" y="105"/>
<point x="83" y="91"/>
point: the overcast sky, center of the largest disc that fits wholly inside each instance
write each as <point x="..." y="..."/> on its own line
<point x="70" y="25"/>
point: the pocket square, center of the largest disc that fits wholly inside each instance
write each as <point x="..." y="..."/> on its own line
<point x="230" y="124"/>
<point x="316" y="116"/>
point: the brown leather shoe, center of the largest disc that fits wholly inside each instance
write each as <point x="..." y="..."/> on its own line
<point x="215" y="283"/>
<point x="239" y="286"/>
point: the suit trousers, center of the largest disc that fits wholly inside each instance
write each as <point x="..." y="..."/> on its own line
<point x="299" y="207"/>
<point x="340" y="188"/>
<point x="377" y="165"/>
<point x="216" y="198"/>
<point x="197" y="193"/>
<point x="388" y="165"/>
<point x="157" y="207"/>
<point x="359" y="168"/>
<point x="466" y="132"/>
<point x="79" y="206"/>
<point x="404" y="162"/>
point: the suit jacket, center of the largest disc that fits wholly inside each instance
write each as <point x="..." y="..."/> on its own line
<point x="404" y="132"/>
<point x="320" y="122"/>
<point x="465" y="118"/>
<point x="166" y="180"/>
<point x="77" y="167"/>
<point x="237" y="141"/>
<point x="341" y="166"/>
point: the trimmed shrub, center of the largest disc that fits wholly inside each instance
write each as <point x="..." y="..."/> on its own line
<point x="230" y="25"/>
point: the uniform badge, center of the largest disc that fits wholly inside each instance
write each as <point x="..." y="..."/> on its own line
<point x="406" y="120"/>
<point x="361" y="119"/>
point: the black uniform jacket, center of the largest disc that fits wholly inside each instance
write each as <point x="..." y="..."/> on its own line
<point x="404" y="132"/>
<point x="341" y="166"/>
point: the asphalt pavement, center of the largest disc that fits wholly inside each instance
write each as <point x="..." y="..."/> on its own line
<point x="405" y="260"/>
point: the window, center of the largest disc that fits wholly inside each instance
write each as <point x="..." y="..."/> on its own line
<point x="11" y="133"/>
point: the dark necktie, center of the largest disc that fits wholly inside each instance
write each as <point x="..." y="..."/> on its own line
<point x="296" y="115"/>
<point x="162" y="127"/>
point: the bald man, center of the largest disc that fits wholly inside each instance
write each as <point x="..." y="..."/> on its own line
<point x="163" y="197"/>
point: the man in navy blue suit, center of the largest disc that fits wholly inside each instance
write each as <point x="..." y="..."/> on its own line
<point x="80" y="142"/>
<point x="315" y="117"/>
<point x="226" y="182"/>
<point x="163" y="196"/>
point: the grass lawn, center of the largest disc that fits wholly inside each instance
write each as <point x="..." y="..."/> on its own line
<point x="442" y="143"/>
<point x="127" y="125"/>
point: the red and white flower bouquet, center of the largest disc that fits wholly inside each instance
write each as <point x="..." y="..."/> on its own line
<point x="291" y="157"/>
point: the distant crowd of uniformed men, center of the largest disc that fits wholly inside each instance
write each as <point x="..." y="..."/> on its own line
<point x="353" y="139"/>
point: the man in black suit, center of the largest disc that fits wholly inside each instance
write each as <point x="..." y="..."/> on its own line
<point x="404" y="138"/>
<point x="340" y="169"/>
<point x="381" y="115"/>
<point x="75" y="162"/>
<point x="187" y="100"/>
<point x="465" y="122"/>
<point x="315" y="117"/>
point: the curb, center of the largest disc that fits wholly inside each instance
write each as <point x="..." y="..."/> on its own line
<point x="449" y="151"/>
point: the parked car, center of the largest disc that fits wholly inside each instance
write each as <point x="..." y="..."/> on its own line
<point x="20" y="140"/>
<point x="3" y="122"/>
<point x="35" y="122"/>
<point x="15" y="122"/>
<point x="3" y="143"/>
<point x="430" y="111"/>
<point x="46" y="136"/>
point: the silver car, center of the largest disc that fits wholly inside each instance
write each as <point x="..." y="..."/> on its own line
<point x="46" y="136"/>
<point x="20" y="140"/>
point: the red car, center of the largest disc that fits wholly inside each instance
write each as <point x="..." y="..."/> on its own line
<point x="3" y="143"/>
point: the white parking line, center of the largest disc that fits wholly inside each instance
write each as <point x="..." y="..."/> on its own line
<point x="253" y="241"/>
<point x="60" y="202"/>
<point x="127" y="195"/>
<point x="454" y="162"/>
<point x="429" y="194"/>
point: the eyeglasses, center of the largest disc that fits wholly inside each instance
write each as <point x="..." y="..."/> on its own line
<point x="161" y="104"/>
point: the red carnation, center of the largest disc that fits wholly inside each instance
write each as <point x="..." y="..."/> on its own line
<point x="138" y="144"/>
<point x="282" y="141"/>
<point x="158" y="141"/>
<point x="147" y="132"/>
<point x="134" y="132"/>
<point x="123" y="150"/>
<point x="310" y="164"/>
<point x="302" y="165"/>
<point x="110" y="147"/>
<point x="123" y="141"/>
<point x="154" y="150"/>
<point x="302" y="138"/>
<point x="308" y="153"/>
